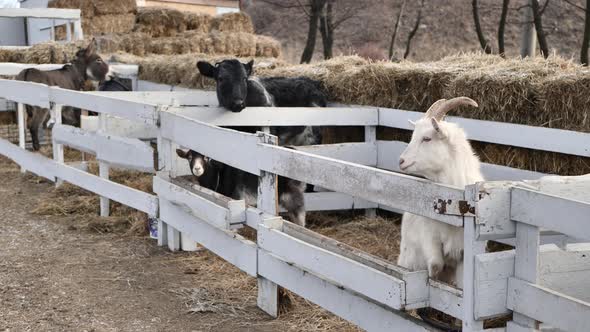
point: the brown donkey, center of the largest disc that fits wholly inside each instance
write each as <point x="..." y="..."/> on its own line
<point x="86" y="65"/>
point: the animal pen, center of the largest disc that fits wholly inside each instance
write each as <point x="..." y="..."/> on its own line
<point x="545" y="279"/>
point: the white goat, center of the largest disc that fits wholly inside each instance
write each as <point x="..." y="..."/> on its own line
<point x="440" y="152"/>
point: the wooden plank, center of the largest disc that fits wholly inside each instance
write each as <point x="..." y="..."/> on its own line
<point x="29" y="93"/>
<point x="543" y="304"/>
<point x="58" y="149"/>
<point x="358" y="153"/>
<point x="226" y="244"/>
<point x="562" y="141"/>
<point x="375" y="284"/>
<point x="390" y="151"/>
<point x="548" y="211"/>
<point x="41" y="13"/>
<point x="12" y="69"/>
<point x="202" y="208"/>
<point x="568" y="271"/>
<point x="416" y="282"/>
<point x="135" y="111"/>
<point x="178" y="98"/>
<point x="121" y="152"/>
<point x="445" y="298"/>
<point x="32" y="162"/>
<point x="230" y="147"/>
<point x="471" y="248"/>
<point x="400" y="191"/>
<point x="571" y="187"/>
<point x="333" y="201"/>
<point x="283" y="116"/>
<point x="335" y="298"/>
<point x="117" y="126"/>
<point x="20" y="109"/>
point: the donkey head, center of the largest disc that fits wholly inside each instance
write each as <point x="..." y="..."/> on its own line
<point x="92" y="64"/>
<point x="232" y="81"/>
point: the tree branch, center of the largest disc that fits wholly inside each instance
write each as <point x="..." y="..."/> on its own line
<point x="569" y="2"/>
<point x="414" y="30"/>
<point x="502" y="27"/>
<point x="395" y="28"/>
<point x="482" y="40"/>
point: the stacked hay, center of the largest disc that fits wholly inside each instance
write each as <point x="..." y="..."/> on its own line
<point x="99" y="17"/>
<point x="160" y="22"/>
<point x="51" y="52"/>
<point x="232" y="22"/>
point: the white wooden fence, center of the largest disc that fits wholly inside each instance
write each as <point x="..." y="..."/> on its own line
<point x="539" y="283"/>
<point x="67" y="17"/>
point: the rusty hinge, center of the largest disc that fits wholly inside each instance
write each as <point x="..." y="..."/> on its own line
<point x="456" y="208"/>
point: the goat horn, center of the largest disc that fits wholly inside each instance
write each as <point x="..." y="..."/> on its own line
<point x="442" y="109"/>
<point x="433" y="107"/>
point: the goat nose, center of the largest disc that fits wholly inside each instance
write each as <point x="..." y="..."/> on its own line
<point x="401" y="161"/>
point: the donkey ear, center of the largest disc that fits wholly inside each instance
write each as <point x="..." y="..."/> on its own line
<point x="182" y="154"/>
<point x="206" y="69"/>
<point x="91" y="49"/>
<point x="248" y="66"/>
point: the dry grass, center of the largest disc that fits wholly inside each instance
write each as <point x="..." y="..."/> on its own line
<point x="160" y="22"/>
<point x="233" y="22"/>
<point x="94" y="8"/>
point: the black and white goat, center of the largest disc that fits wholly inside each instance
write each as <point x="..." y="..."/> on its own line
<point x="235" y="183"/>
<point x="237" y="88"/>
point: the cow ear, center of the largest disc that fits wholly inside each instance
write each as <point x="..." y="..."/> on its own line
<point x="206" y="69"/>
<point x="248" y="66"/>
<point x="182" y="154"/>
<point x="91" y="49"/>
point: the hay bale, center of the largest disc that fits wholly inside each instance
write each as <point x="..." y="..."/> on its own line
<point x="198" y="22"/>
<point x="86" y="6"/>
<point x="160" y="22"/>
<point x="170" y="45"/>
<point x="233" y="22"/>
<point x="114" y="7"/>
<point x="9" y="55"/>
<point x="109" y="43"/>
<point x="136" y="43"/>
<point x="52" y="52"/>
<point x="267" y="47"/>
<point x="106" y="24"/>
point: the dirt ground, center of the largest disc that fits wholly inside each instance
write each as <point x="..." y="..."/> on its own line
<point x="62" y="274"/>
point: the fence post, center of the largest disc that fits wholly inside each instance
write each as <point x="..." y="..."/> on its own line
<point x="526" y="265"/>
<point x="472" y="248"/>
<point x="167" y="235"/>
<point x="268" y="291"/>
<point x="371" y="137"/>
<point x="58" y="149"/>
<point x="69" y="30"/>
<point x="21" y="129"/>
<point x="103" y="169"/>
<point x="78" y="33"/>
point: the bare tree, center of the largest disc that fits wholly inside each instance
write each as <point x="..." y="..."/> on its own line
<point x="414" y="30"/>
<point x="586" y="38"/>
<point x="314" y="17"/>
<point x="482" y="40"/>
<point x="332" y="19"/>
<point x="502" y="27"/>
<point x="537" y="18"/>
<point x="395" y="29"/>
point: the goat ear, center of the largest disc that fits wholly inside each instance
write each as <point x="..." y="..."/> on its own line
<point x="91" y="49"/>
<point x="438" y="129"/>
<point x="206" y="69"/>
<point x="413" y="123"/>
<point x="182" y="154"/>
<point x="248" y="66"/>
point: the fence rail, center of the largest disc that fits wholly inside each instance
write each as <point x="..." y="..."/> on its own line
<point x="363" y="289"/>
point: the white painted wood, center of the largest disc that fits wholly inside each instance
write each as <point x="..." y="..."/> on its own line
<point x="400" y="191"/>
<point x="121" y="152"/>
<point x="173" y="237"/>
<point x="52" y="30"/>
<point x="563" y="141"/>
<point x="202" y="208"/>
<point x="282" y="116"/>
<point x="177" y="98"/>
<point x="119" y="70"/>
<point x="268" y="202"/>
<point x="472" y="248"/>
<point x="526" y="267"/>
<point x="58" y="149"/>
<point x="548" y="211"/>
<point x="226" y="244"/>
<point x="371" y="139"/>
<point x="358" y="153"/>
<point x="493" y="210"/>
<point x="187" y="243"/>
<point x="162" y="233"/>
<point x="551" y="307"/>
<point x="22" y="125"/>
<point x="41" y="13"/>
<point x="335" y="298"/>
<point x="390" y="151"/>
<point x="121" y="127"/>
<point x="333" y="201"/>
<point x="445" y="298"/>
<point x="29" y="93"/>
<point x="135" y="111"/>
<point x="34" y="162"/>
<point x="375" y="284"/>
<point x="255" y="216"/>
<point x="78" y="33"/>
<point x="69" y="31"/>
<point x="225" y="145"/>
<point x="103" y="171"/>
<point x="571" y="187"/>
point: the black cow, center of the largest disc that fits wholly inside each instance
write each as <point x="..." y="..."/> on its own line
<point x="86" y="65"/>
<point x="235" y="183"/>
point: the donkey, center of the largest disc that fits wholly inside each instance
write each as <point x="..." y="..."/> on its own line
<point x="237" y="88"/>
<point x="238" y="184"/>
<point x="86" y="65"/>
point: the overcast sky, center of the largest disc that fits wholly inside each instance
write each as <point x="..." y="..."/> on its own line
<point x="9" y="4"/>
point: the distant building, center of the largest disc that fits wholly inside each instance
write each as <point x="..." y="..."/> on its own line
<point x="212" y="7"/>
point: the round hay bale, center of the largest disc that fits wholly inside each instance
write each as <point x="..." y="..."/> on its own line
<point x="108" y="24"/>
<point x="233" y="22"/>
<point x="198" y="22"/>
<point x="160" y="22"/>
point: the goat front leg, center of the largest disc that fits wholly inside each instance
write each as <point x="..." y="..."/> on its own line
<point x="434" y="258"/>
